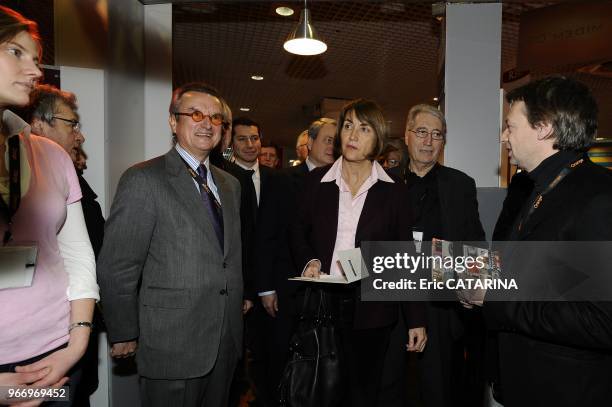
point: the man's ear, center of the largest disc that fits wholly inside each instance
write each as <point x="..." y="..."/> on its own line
<point x="172" y="123"/>
<point x="309" y="144"/>
<point x="545" y="130"/>
<point x="37" y="127"/>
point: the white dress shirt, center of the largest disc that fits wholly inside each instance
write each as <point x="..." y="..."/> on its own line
<point x="194" y="164"/>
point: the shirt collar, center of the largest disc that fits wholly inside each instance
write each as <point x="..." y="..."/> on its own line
<point x="14" y="124"/>
<point x="430" y="176"/>
<point x="311" y="166"/>
<point x="335" y="173"/>
<point x="189" y="159"/>
<point x="254" y="167"/>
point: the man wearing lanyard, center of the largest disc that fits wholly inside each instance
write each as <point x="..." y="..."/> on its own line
<point x="170" y="267"/>
<point x="445" y="207"/>
<point x="556" y="352"/>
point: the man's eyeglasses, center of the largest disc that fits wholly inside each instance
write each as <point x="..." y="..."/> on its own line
<point x="197" y="116"/>
<point x="76" y="126"/>
<point x="423" y="133"/>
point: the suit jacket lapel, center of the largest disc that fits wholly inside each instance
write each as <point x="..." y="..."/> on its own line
<point x="189" y="196"/>
<point x="327" y="211"/>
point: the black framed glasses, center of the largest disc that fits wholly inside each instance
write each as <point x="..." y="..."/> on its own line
<point x="423" y="133"/>
<point x="75" y="124"/>
<point x="197" y="116"/>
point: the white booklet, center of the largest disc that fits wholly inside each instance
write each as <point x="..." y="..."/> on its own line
<point x="17" y="266"/>
<point x="352" y="265"/>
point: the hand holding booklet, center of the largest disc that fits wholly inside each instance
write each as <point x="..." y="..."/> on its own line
<point x="352" y="266"/>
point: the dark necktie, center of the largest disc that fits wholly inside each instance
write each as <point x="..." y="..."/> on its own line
<point x="212" y="205"/>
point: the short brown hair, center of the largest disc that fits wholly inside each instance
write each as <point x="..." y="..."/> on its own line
<point x="12" y="23"/>
<point x="367" y="111"/>
<point x="567" y="104"/>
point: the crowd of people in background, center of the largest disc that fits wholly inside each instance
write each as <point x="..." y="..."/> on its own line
<point x="194" y="260"/>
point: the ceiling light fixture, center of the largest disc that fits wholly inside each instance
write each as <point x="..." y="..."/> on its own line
<point x="303" y="40"/>
<point x="257" y="77"/>
<point x="435" y="99"/>
<point x="245" y="109"/>
<point x="284" y="11"/>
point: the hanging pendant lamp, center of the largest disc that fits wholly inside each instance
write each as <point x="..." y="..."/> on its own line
<point x="304" y="40"/>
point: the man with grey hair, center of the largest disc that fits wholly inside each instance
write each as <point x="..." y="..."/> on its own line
<point x="170" y="270"/>
<point x="320" y="147"/>
<point x="53" y="114"/>
<point x="445" y="207"/>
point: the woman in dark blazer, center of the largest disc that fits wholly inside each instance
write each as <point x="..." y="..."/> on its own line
<point x="341" y="205"/>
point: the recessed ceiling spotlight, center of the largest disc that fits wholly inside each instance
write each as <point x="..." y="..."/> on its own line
<point x="284" y="11"/>
<point x="257" y="77"/>
<point x="245" y="109"/>
<point x="435" y="99"/>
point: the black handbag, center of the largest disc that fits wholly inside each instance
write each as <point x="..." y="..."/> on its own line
<point x="313" y="375"/>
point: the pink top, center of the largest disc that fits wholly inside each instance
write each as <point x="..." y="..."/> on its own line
<point x="34" y="320"/>
<point x="350" y="207"/>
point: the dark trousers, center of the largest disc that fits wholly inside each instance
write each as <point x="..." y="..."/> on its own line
<point x="364" y="351"/>
<point x="396" y="387"/>
<point x="210" y="390"/>
<point x="364" y="354"/>
<point x="74" y="377"/>
<point x="452" y="364"/>
<point x="270" y="348"/>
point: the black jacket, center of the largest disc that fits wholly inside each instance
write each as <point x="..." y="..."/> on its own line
<point x="558" y="353"/>
<point x="93" y="216"/>
<point x="386" y="216"/>
<point x="248" y="214"/>
<point x="458" y="203"/>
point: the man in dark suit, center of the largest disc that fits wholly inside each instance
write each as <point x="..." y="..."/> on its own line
<point x="320" y="147"/>
<point x="445" y="207"/>
<point x="170" y="266"/>
<point x="273" y="264"/>
<point x="555" y="353"/>
<point x="267" y="210"/>
<point x="248" y="205"/>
